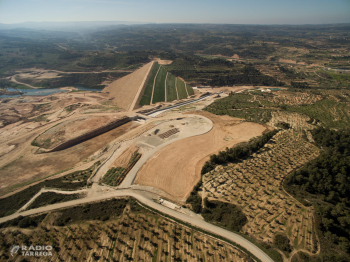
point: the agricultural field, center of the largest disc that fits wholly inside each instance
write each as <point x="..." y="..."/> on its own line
<point x="164" y="86"/>
<point x="171" y="91"/>
<point x="159" y="86"/>
<point x="181" y="88"/>
<point x="147" y="95"/>
<point x="255" y="186"/>
<point x="128" y="233"/>
<point x="329" y="108"/>
<point x="189" y="90"/>
<point x="121" y="166"/>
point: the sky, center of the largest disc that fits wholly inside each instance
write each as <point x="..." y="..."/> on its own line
<point x="178" y="11"/>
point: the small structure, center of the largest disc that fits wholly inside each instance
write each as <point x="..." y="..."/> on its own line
<point x="169" y="133"/>
<point x="168" y="204"/>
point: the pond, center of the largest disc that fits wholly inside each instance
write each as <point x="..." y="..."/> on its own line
<point x="48" y="91"/>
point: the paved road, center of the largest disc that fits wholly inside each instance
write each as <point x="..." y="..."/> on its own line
<point x="133" y="193"/>
<point x="161" y="111"/>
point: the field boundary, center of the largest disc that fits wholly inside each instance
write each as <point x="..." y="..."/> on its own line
<point x="154" y="82"/>
<point x="177" y="93"/>
<point x="186" y="89"/>
<point x="136" y="101"/>
<point x="165" y="98"/>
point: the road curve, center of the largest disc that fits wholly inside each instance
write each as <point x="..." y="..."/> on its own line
<point x="148" y="202"/>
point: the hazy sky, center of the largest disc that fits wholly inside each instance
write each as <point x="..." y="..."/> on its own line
<point x="178" y="11"/>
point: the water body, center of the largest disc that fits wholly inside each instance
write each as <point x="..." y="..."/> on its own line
<point x="47" y="91"/>
<point x="275" y="89"/>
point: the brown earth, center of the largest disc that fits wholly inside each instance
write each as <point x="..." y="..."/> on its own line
<point x="71" y="129"/>
<point x="163" y="62"/>
<point x="141" y="235"/>
<point x="30" y="166"/>
<point x="124" y="90"/>
<point x="176" y="168"/>
<point x="124" y="158"/>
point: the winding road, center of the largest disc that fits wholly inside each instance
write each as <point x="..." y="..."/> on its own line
<point x="99" y="192"/>
<point x="194" y="221"/>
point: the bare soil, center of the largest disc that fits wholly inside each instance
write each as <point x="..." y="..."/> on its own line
<point x="163" y="62"/>
<point x="124" y="158"/>
<point x="176" y="168"/>
<point x="71" y="129"/>
<point x="30" y="166"/>
<point x="132" y="236"/>
<point x="123" y="91"/>
<point x="255" y="186"/>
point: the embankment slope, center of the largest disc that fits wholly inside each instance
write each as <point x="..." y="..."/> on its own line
<point x="124" y="90"/>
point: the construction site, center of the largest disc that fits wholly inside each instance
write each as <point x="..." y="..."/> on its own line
<point x="146" y="133"/>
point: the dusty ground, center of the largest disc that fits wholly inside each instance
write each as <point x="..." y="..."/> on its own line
<point x="29" y="116"/>
<point x="124" y="90"/>
<point x="30" y="166"/>
<point x="176" y="168"/>
<point x="223" y="89"/>
<point x="70" y="129"/>
<point x="124" y="158"/>
<point x="163" y="62"/>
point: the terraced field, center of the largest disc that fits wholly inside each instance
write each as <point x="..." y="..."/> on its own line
<point x="131" y="234"/>
<point x="147" y="95"/>
<point x="292" y="99"/>
<point x="181" y="88"/>
<point x="297" y="121"/>
<point x="159" y="86"/>
<point x="164" y="86"/>
<point x="171" y="93"/>
<point x="189" y="90"/>
<point x="255" y="186"/>
<point x="330" y="112"/>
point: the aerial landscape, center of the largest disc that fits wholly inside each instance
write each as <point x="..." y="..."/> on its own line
<point x="174" y="140"/>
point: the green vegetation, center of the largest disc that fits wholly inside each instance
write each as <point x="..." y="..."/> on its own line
<point x="88" y="80"/>
<point x="324" y="182"/>
<point x="9" y="84"/>
<point x="170" y="88"/>
<point x="189" y="90"/>
<point x="194" y="199"/>
<point x="40" y="118"/>
<point x="71" y="108"/>
<point x="96" y="211"/>
<point x="282" y="243"/>
<point x="50" y="198"/>
<point x="116" y="175"/>
<point x="238" y="152"/>
<point x="224" y="214"/>
<point x="330" y="112"/>
<point x="159" y="87"/>
<point x="248" y="75"/>
<point x="24" y="222"/>
<point x="241" y="106"/>
<point x="147" y="95"/>
<point x="283" y="125"/>
<point x="303" y="257"/>
<point x="73" y="181"/>
<point x="181" y="89"/>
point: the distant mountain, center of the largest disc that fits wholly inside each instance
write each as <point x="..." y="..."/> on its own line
<point x="67" y="26"/>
